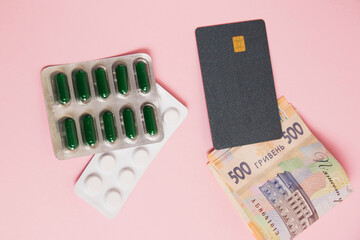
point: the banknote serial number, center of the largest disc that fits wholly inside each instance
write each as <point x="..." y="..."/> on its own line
<point x="266" y="217"/>
<point x="240" y="172"/>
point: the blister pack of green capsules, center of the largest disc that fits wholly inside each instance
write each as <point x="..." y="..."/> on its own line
<point x="102" y="105"/>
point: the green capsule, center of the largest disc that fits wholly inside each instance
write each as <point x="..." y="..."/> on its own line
<point x="82" y="85"/>
<point x="89" y="133"/>
<point x="62" y="88"/>
<point x="71" y="138"/>
<point x="129" y="122"/>
<point x="142" y="76"/>
<point x="102" y="83"/>
<point x="150" y="120"/>
<point x="122" y="79"/>
<point x="109" y="126"/>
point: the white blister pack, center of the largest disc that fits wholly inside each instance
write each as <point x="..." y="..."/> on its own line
<point x="110" y="177"/>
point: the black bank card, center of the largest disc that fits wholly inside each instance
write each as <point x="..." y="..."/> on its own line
<point x="238" y="83"/>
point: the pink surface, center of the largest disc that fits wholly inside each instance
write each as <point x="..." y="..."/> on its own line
<point x="315" y="51"/>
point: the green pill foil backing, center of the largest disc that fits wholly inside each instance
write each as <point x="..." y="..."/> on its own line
<point x="71" y="138"/>
<point x="89" y="132"/>
<point x="122" y="79"/>
<point x="102" y="83"/>
<point x="150" y="120"/>
<point x="82" y="85"/>
<point x="62" y="91"/>
<point x="129" y="123"/>
<point x="142" y="76"/>
<point x="109" y="127"/>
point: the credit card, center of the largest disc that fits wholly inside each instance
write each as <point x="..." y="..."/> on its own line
<point x="238" y="83"/>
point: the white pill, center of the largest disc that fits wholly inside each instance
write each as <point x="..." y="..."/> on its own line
<point x="113" y="199"/>
<point x="93" y="184"/>
<point x="127" y="177"/>
<point x="140" y="156"/>
<point x="171" y="116"/>
<point x="107" y="162"/>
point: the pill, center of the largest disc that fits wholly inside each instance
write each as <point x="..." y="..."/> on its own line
<point x="142" y="76"/>
<point x="109" y="126"/>
<point x="82" y="85"/>
<point x="129" y="123"/>
<point x="93" y="184"/>
<point x="150" y="120"/>
<point x="71" y="138"/>
<point x="122" y="79"/>
<point x="101" y="82"/>
<point x="141" y="156"/>
<point x="89" y="132"/>
<point x="107" y="162"/>
<point x="127" y="177"/>
<point x="62" y="88"/>
<point x="113" y="199"/>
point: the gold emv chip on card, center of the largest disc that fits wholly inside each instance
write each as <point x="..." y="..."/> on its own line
<point x="239" y="43"/>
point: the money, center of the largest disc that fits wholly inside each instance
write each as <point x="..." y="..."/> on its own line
<point x="281" y="187"/>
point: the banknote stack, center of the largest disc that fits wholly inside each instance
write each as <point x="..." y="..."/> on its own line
<point x="281" y="187"/>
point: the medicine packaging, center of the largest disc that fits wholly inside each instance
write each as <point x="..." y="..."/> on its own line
<point x="110" y="177"/>
<point x="102" y="105"/>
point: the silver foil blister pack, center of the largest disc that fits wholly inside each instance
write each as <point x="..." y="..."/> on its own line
<point x="91" y="109"/>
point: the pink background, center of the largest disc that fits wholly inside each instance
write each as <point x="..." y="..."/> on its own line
<point x="315" y="49"/>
